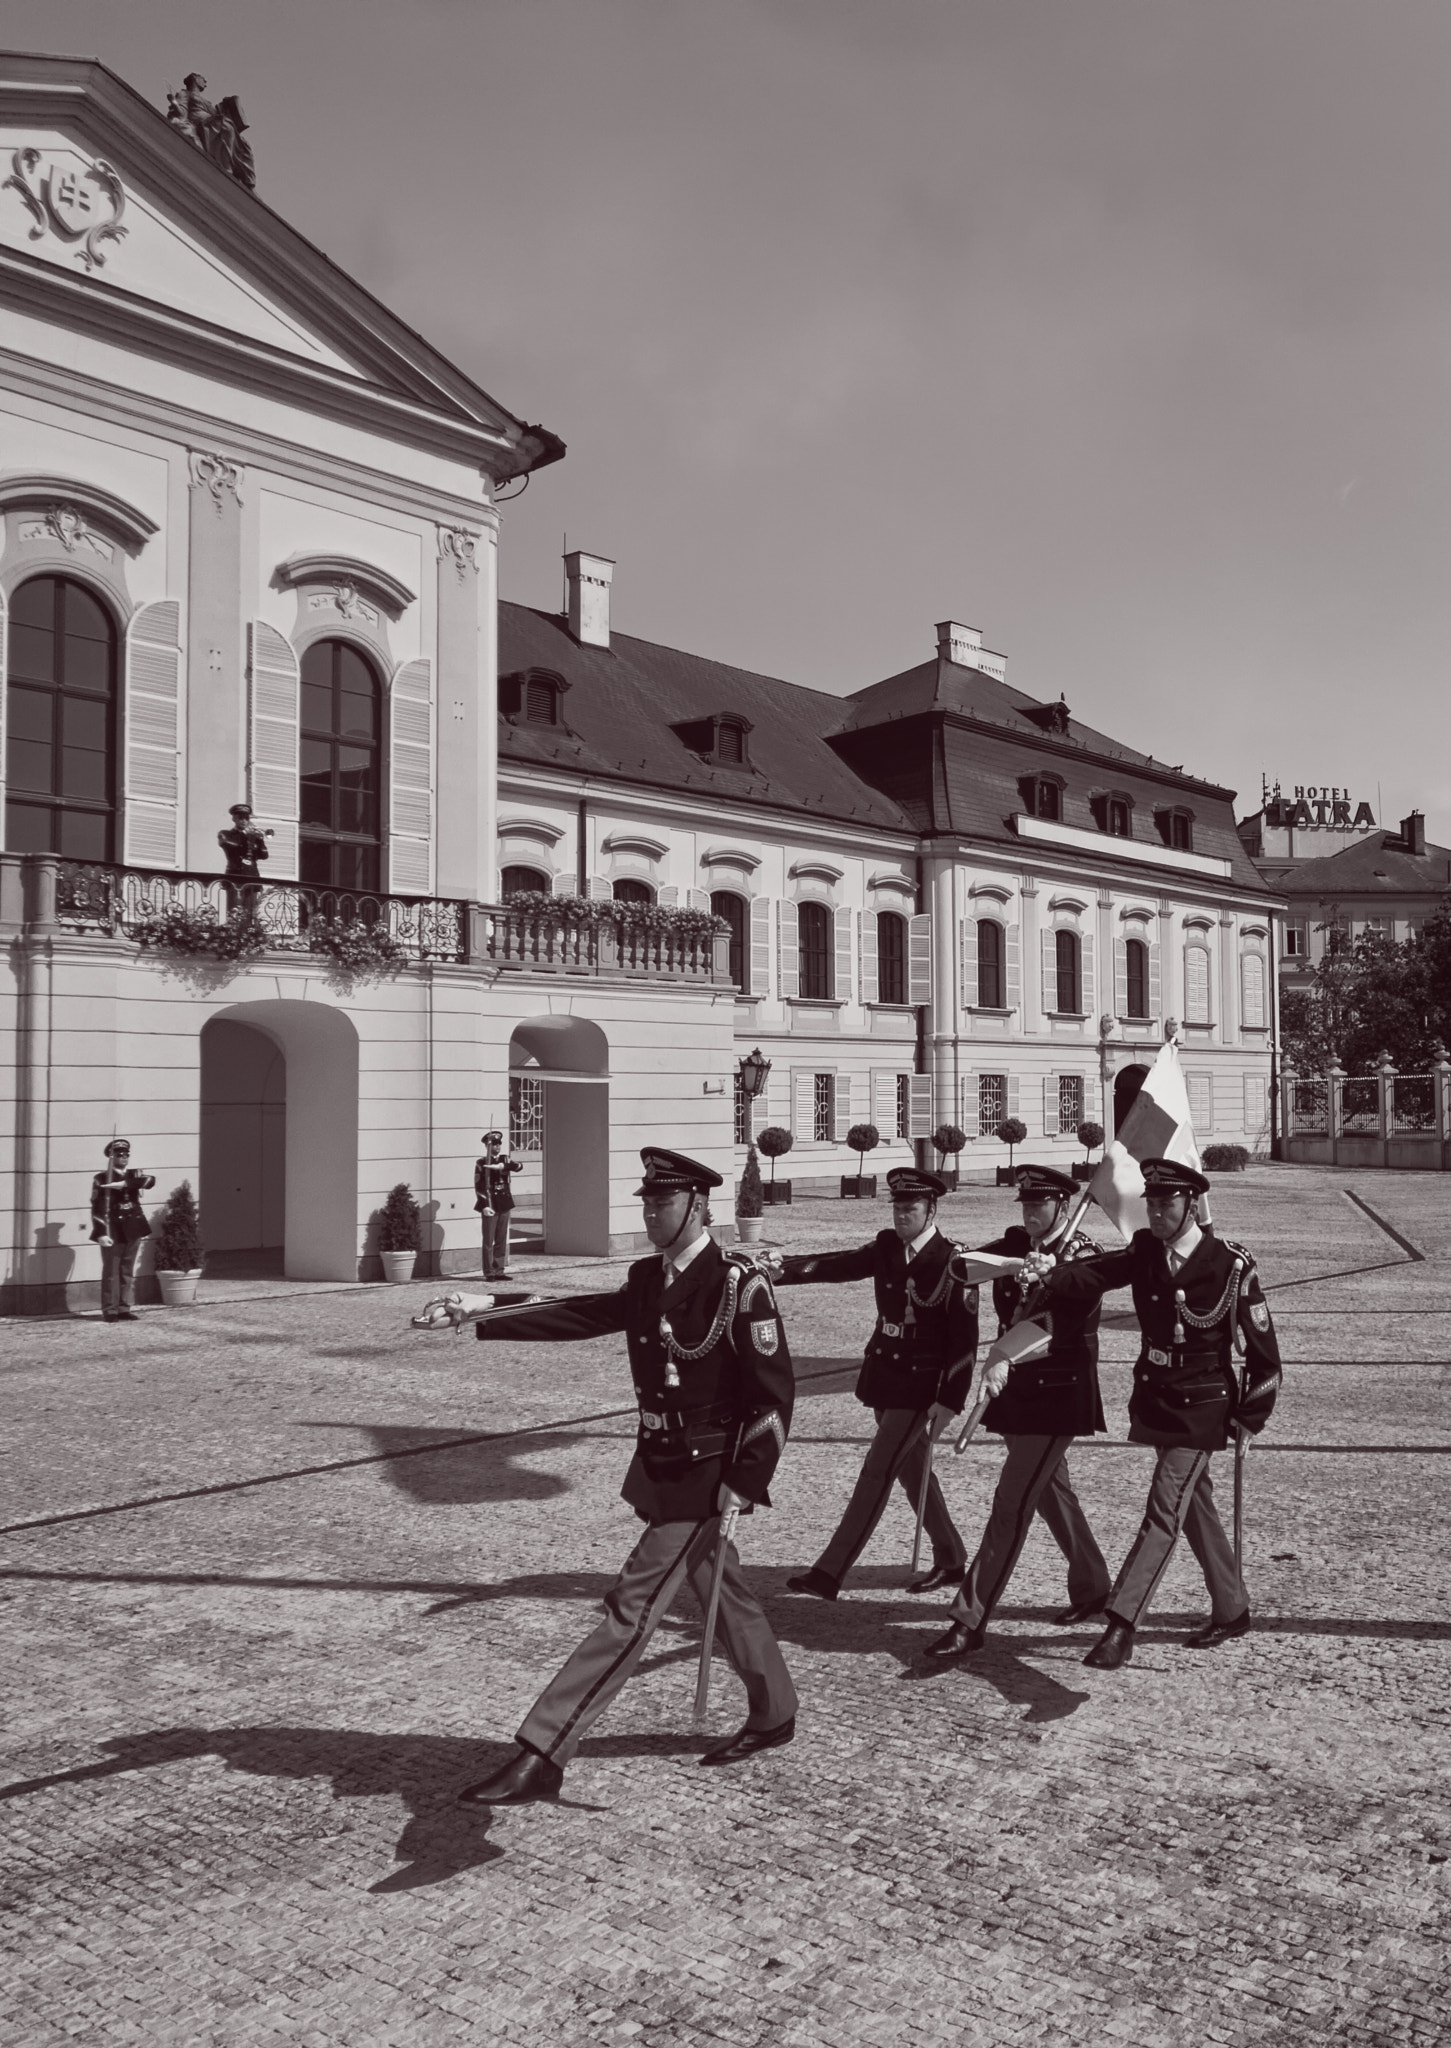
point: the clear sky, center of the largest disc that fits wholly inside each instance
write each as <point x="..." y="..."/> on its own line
<point x="1120" y="329"/>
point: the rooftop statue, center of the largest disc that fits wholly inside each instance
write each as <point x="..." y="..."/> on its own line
<point x="217" y="130"/>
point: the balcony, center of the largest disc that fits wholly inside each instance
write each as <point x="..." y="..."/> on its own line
<point x="42" y="894"/>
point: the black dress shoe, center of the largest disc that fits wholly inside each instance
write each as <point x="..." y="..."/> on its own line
<point x="127" y="1315"/>
<point x="526" y="1776"/>
<point x="1114" y="1647"/>
<point x="1089" y="1610"/>
<point x="746" y="1741"/>
<point x="939" y="1576"/>
<point x="813" y="1582"/>
<point x="1218" y="1632"/>
<point x="958" y="1640"/>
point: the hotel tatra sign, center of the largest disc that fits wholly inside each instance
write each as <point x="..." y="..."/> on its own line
<point x="1308" y="805"/>
<point x="78" y="203"/>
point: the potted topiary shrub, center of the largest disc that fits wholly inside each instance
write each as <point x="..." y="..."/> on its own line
<point x="178" y="1247"/>
<point x="1011" y="1131"/>
<point x="948" y="1140"/>
<point x="398" y="1234"/>
<point x="862" y="1138"/>
<point x="1225" y="1158"/>
<point x="750" y="1200"/>
<point x="776" y="1142"/>
<point x="1089" y="1135"/>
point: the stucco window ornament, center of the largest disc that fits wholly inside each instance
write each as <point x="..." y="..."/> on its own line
<point x="216" y="130"/>
<point x="346" y="602"/>
<point x="214" y="473"/>
<point x="457" y="545"/>
<point x="72" y="200"/>
<point x="65" y="524"/>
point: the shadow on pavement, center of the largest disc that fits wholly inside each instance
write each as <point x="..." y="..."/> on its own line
<point x="471" y="1475"/>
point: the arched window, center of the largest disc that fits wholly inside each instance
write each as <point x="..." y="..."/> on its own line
<point x="1252" y="990"/>
<point x="628" y="890"/>
<point x="1069" y="989"/>
<point x="1136" y="974"/>
<point x="1196" y="983"/>
<point x="990" y="964"/>
<point x="891" y="957"/>
<point x="342" y="763"/>
<point x="725" y="903"/>
<point x="519" y="881"/>
<point x="817" y="981"/>
<point x="60" y="722"/>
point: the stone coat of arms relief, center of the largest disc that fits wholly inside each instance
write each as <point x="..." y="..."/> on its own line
<point x="77" y="202"/>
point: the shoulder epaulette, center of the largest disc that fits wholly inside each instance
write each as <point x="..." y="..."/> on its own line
<point x="1239" y="1251"/>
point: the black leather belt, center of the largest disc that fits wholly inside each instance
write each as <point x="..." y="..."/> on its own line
<point x="675" y="1419"/>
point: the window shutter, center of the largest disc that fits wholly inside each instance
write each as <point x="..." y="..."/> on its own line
<point x="1255" y="1098"/>
<point x="1090" y="1099"/>
<point x="869" y="962"/>
<point x="1087" y="987"/>
<point x="410" y="808"/>
<point x="4" y="647"/>
<point x="600" y="890"/>
<point x="884" y="1102"/>
<point x="1120" y="977"/>
<point x="969" y="964"/>
<point x="788" y="950"/>
<point x="698" y="899"/>
<point x="803" y="1103"/>
<point x="1050" y="971"/>
<point x="760" y="982"/>
<point x="274" y="706"/>
<point x="1196" y="984"/>
<point x="153" y="704"/>
<point x="1050" y="1105"/>
<point x="967" y="1117"/>
<point x="919" y="965"/>
<point x="841" y="982"/>
<point x="1155" y="1002"/>
<point x="843" y="1095"/>
<point x="562" y="885"/>
<point x="1015" y="969"/>
<point x="921" y="1105"/>
<point x="1252" y="979"/>
<point x="1012" y="1095"/>
<point x="668" y="896"/>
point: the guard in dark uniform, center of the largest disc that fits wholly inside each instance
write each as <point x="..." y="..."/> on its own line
<point x="494" y="1203"/>
<point x="713" y="1378"/>
<point x="244" y="845"/>
<point x="119" y="1227"/>
<point x="916" y="1374"/>
<point x="1198" y="1299"/>
<point x="1040" y="1404"/>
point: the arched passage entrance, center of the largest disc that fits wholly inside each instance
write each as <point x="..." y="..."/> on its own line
<point x="312" y="1080"/>
<point x="243" y="1148"/>
<point x="1126" y="1085"/>
<point x="570" y="1056"/>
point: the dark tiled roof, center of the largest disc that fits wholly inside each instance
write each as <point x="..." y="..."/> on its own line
<point x="1377" y="864"/>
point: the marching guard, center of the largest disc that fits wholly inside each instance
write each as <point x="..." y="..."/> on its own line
<point x="1198" y="1298"/>
<point x="119" y="1226"/>
<point x="494" y="1203"/>
<point x="713" y="1379"/>
<point x="1039" y="1405"/>
<point x="916" y="1374"/>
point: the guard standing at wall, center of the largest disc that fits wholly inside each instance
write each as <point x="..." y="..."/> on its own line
<point x="119" y="1226"/>
<point x="713" y="1379"/>
<point x="1039" y="1406"/>
<point x="1198" y="1299"/>
<point x="494" y="1203"/>
<point x="916" y="1374"/>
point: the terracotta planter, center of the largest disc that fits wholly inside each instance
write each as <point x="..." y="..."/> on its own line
<point x="177" y="1288"/>
<point x="748" y="1228"/>
<point x="399" y="1265"/>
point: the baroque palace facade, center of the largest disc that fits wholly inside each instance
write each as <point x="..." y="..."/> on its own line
<point x="250" y="554"/>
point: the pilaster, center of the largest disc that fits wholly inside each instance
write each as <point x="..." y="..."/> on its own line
<point x="216" y="683"/>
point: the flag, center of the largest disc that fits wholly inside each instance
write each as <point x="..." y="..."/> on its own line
<point x="1157" y="1127"/>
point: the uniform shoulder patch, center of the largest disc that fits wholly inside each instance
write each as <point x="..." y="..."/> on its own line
<point x="766" y="1336"/>
<point x="1259" y="1315"/>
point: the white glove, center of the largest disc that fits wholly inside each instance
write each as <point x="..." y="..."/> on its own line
<point x="1037" y="1266"/>
<point x="451" y="1311"/>
<point x="995" y="1378"/>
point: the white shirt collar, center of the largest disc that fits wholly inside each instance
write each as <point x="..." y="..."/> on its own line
<point x="680" y="1258"/>
<point x="1181" y="1247"/>
<point x="917" y="1243"/>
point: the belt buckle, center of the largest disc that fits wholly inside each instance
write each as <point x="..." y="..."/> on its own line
<point x="1159" y="1357"/>
<point x="891" y="1329"/>
<point x="649" y="1421"/>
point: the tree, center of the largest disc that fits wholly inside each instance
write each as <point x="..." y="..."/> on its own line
<point x="1371" y="997"/>
<point x="1011" y="1131"/>
<point x="1090" y="1135"/>
<point x="863" y="1138"/>
<point x="750" y="1200"/>
<point x="178" y="1233"/>
<point x="398" y="1230"/>
<point x="947" y="1138"/>
<point x="775" y="1142"/>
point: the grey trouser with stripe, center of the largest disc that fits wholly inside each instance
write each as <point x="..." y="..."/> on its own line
<point x="496" y="1243"/>
<point x="1034" y="1479"/>
<point x="635" y="1605"/>
<point x="897" y="1452"/>
<point x="1180" y="1499"/>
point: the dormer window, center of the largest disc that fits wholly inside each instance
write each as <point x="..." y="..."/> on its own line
<point x="533" y="696"/>
<point x="1114" y="812"/>
<point x="720" y="741"/>
<point x="1176" y="828"/>
<point x="1042" y="796"/>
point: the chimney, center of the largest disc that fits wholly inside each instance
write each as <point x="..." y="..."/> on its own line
<point x="1413" y="832"/>
<point x="588" y="580"/>
<point x="963" y="645"/>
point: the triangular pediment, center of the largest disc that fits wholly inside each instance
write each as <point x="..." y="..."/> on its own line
<point x="103" y="202"/>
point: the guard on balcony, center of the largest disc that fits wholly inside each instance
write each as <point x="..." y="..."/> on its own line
<point x="244" y="845"/>
<point x="119" y="1226"/>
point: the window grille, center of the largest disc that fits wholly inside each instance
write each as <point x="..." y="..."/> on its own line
<point x="823" y="1108"/>
<point x="904" y="1105"/>
<point x="526" y="1114"/>
<point x="743" y="1113"/>
<point x="1070" y="1101"/>
<point x="989" y="964"/>
<point x="992" y="1102"/>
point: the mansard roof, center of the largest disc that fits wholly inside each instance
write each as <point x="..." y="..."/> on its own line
<point x="1378" y="864"/>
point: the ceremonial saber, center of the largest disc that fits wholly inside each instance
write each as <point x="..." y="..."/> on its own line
<point x="969" y="1428"/>
<point x="707" y="1647"/>
<point x="932" y="1430"/>
<point x="452" y="1311"/>
<point x="1240" y="1447"/>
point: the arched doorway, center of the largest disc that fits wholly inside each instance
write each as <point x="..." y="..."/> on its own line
<point x="1126" y="1085"/>
<point x="569" y="1056"/>
<point x="243" y="1177"/>
<point x="317" y="1078"/>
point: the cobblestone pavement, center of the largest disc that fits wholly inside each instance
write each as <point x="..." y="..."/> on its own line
<point x="234" y="1720"/>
